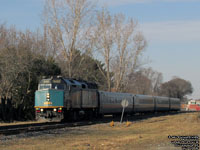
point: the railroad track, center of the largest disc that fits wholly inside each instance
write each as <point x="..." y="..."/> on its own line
<point x="17" y="129"/>
<point x="24" y="128"/>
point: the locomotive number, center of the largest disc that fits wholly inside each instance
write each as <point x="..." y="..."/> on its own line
<point x="47" y="103"/>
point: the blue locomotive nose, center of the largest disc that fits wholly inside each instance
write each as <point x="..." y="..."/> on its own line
<point x="49" y="98"/>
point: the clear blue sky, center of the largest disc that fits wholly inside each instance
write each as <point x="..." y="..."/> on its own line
<point x="171" y="27"/>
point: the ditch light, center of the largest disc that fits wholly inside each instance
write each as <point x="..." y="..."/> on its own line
<point x="59" y="110"/>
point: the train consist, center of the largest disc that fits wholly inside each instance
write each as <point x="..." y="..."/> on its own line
<point x="58" y="98"/>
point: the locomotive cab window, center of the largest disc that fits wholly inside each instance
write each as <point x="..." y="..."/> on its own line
<point x="44" y="86"/>
<point x="51" y="86"/>
<point x="58" y="86"/>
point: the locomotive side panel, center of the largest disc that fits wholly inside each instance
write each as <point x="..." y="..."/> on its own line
<point x="67" y="102"/>
<point x="75" y="96"/>
<point x="162" y="103"/>
<point x="89" y="98"/>
<point x="110" y="103"/>
<point x="144" y="103"/>
<point x="175" y="104"/>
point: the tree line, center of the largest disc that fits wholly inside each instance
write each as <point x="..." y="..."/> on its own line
<point x="78" y="40"/>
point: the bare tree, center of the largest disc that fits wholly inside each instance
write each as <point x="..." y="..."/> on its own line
<point x="104" y="42"/>
<point x="139" y="83"/>
<point x="10" y="59"/>
<point x="144" y="81"/>
<point x="156" y="79"/>
<point x="129" y="45"/>
<point x="114" y="37"/>
<point x="119" y="46"/>
<point x="68" y="23"/>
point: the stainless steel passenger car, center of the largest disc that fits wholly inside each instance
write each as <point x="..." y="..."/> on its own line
<point x="143" y="103"/>
<point x="175" y="104"/>
<point x="162" y="103"/>
<point x="110" y="103"/>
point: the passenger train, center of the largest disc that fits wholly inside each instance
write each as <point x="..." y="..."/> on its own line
<point x="59" y="98"/>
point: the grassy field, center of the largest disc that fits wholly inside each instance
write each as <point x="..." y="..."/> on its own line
<point x="150" y="134"/>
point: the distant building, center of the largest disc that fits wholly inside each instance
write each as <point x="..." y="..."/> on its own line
<point x="193" y="105"/>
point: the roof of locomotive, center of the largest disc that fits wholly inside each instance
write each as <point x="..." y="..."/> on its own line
<point x="81" y="83"/>
<point x="71" y="82"/>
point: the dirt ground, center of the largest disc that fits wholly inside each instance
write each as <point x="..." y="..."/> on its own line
<point x="155" y="133"/>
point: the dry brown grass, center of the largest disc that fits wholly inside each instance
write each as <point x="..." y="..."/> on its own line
<point x="19" y="123"/>
<point x="147" y="134"/>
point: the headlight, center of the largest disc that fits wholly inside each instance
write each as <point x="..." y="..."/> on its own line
<point x="41" y="109"/>
<point x="54" y="109"/>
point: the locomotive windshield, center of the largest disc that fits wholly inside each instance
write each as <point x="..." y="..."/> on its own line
<point x="51" y="84"/>
<point x="44" y="86"/>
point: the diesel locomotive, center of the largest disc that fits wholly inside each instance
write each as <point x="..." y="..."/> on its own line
<point x="59" y="98"/>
